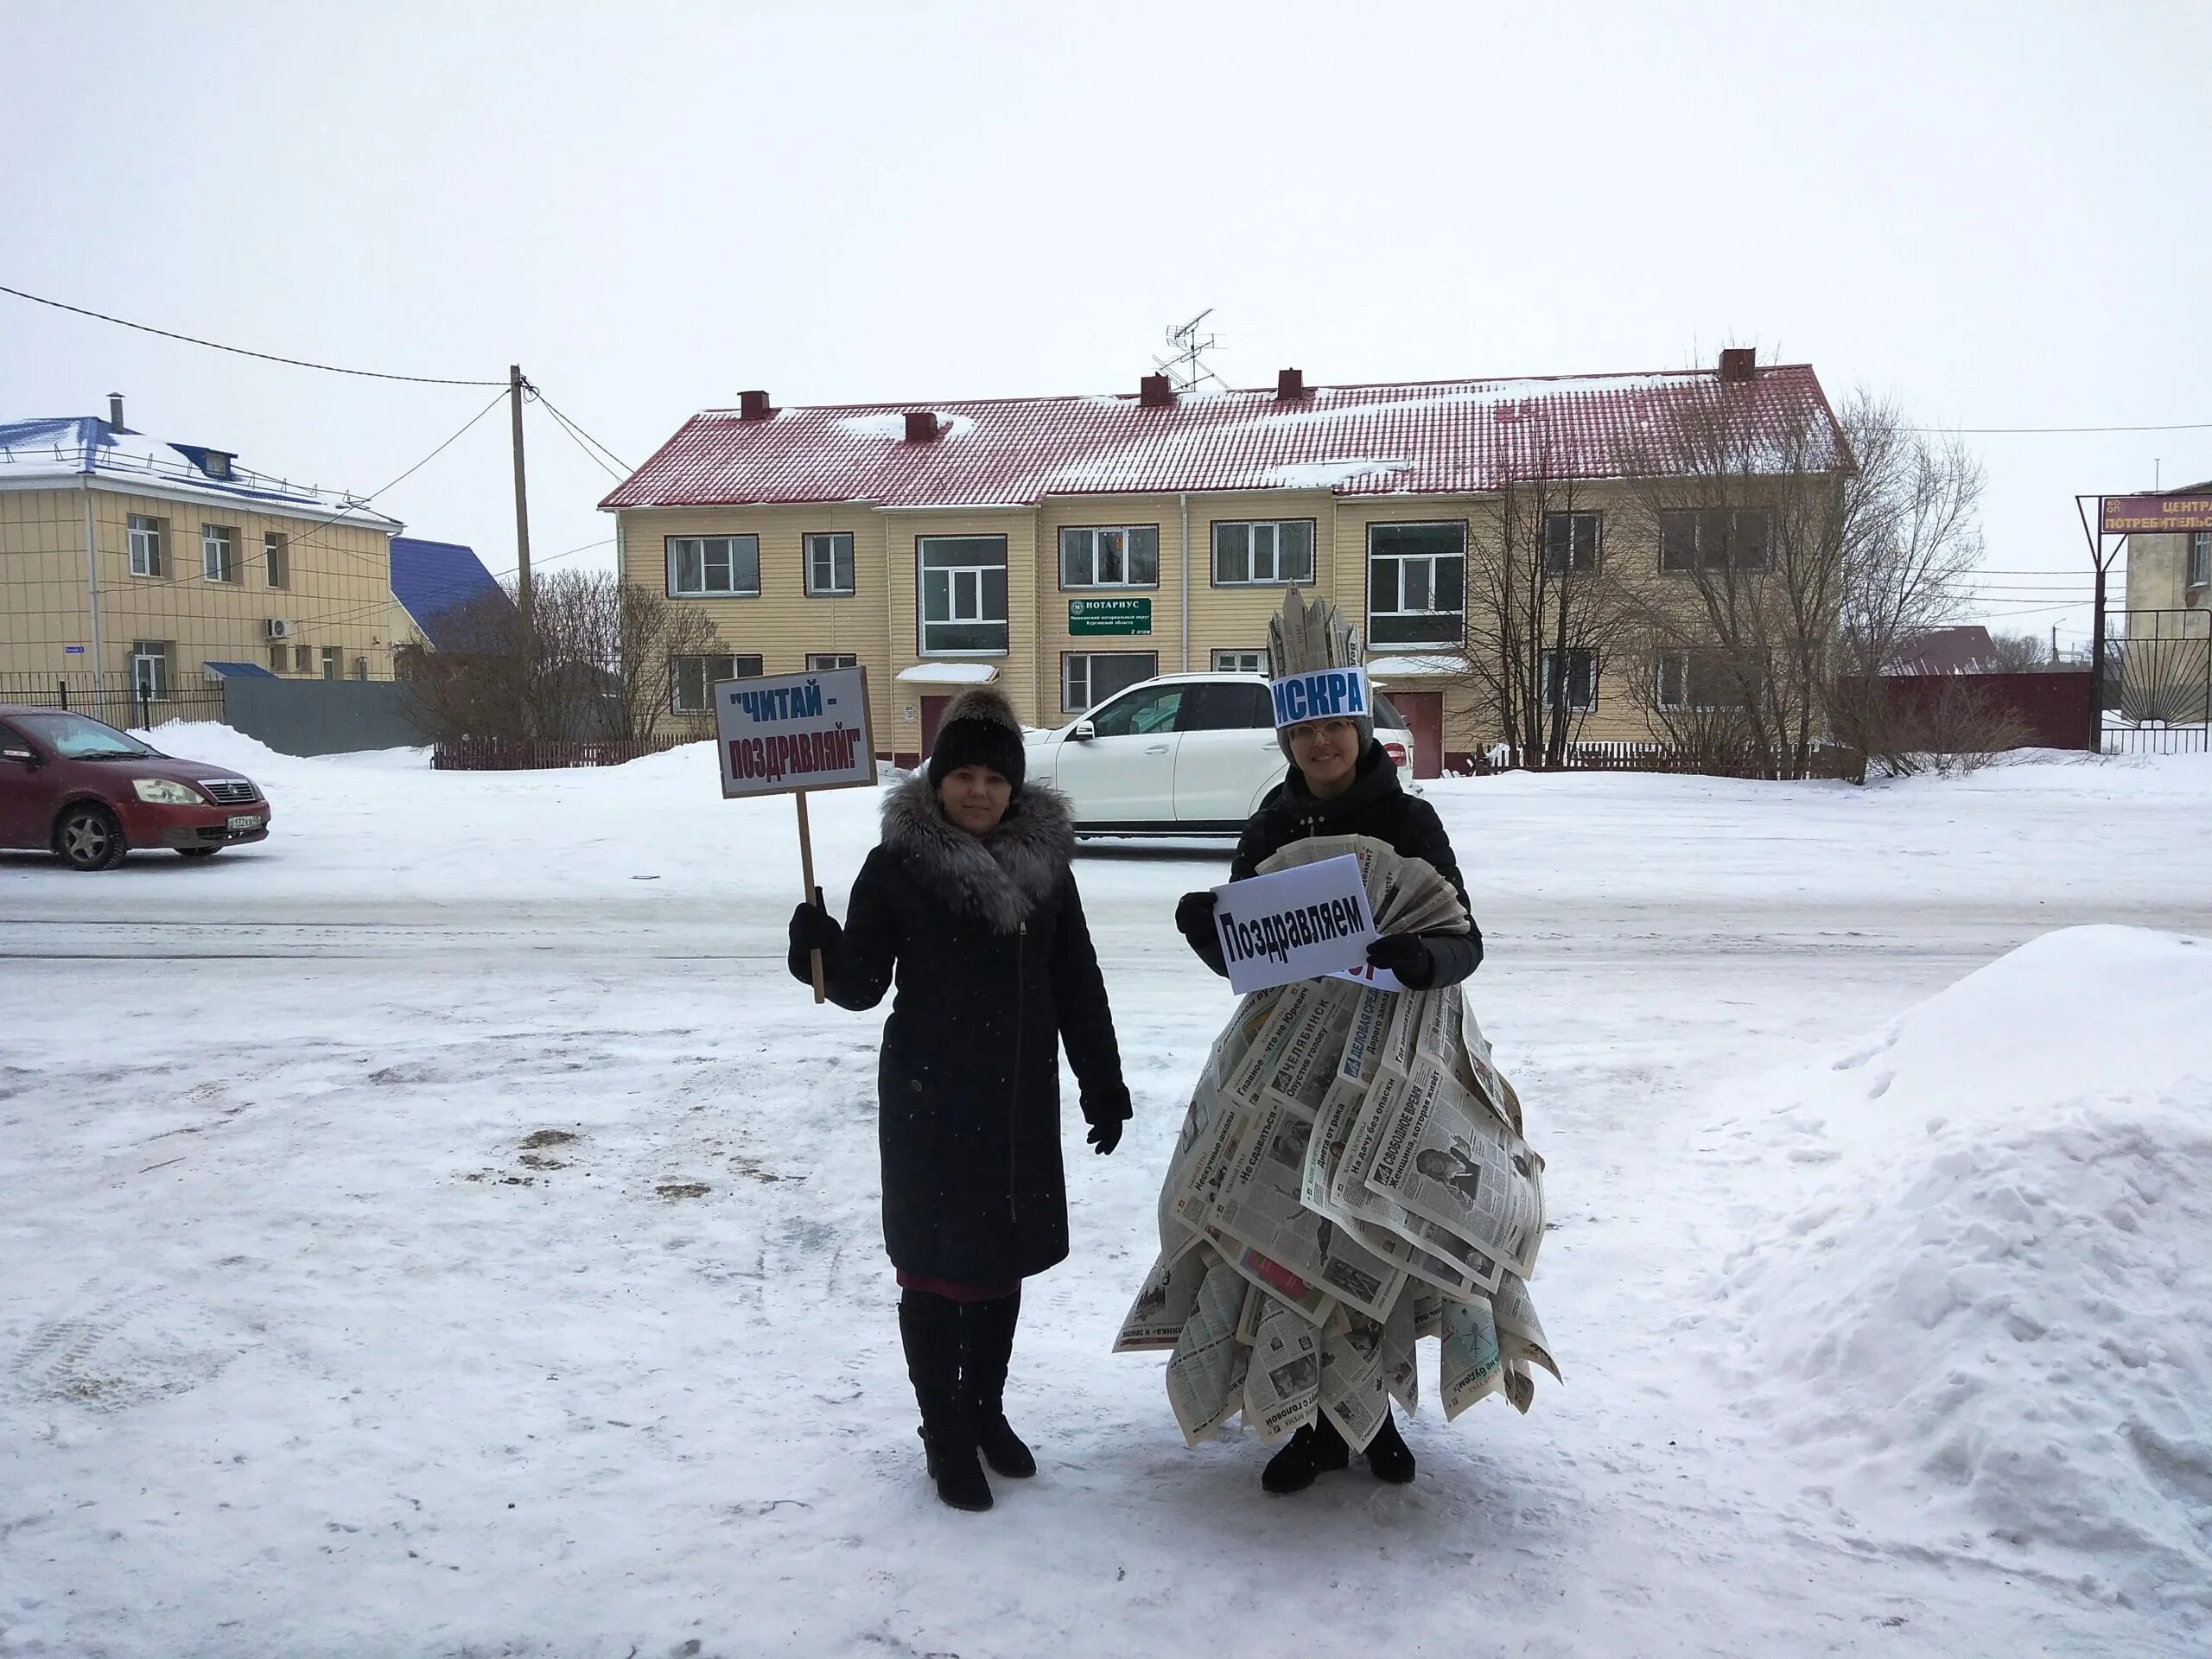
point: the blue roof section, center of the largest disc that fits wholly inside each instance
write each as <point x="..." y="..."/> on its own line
<point x="431" y="578"/>
<point x="241" y="671"/>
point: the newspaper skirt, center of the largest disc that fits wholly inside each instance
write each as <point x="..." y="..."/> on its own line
<point x="1351" y="1176"/>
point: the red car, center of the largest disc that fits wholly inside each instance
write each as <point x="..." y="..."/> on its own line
<point x="81" y="789"/>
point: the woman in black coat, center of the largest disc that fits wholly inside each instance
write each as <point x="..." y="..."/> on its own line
<point x="1342" y="782"/>
<point x="968" y="905"/>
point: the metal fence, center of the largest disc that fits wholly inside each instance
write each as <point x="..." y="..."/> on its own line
<point x="505" y="754"/>
<point x="2157" y="740"/>
<point x="114" y="698"/>
<point x="2157" y="671"/>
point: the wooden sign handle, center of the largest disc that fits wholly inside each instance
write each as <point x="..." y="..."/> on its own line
<point x="812" y="892"/>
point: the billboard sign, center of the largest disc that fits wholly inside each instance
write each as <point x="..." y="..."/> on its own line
<point x="2153" y="515"/>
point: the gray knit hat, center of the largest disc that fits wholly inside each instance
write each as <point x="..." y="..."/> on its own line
<point x="1305" y="638"/>
<point x="980" y="728"/>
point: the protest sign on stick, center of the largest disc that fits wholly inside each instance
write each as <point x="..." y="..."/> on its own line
<point x="788" y="734"/>
<point x="1300" y="923"/>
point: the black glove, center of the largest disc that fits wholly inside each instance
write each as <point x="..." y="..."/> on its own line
<point x="1194" y="920"/>
<point x="1408" y="955"/>
<point x="1106" y="1116"/>
<point x="813" y="928"/>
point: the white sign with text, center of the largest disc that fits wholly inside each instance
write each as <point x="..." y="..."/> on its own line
<point x="794" y="731"/>
<point x="1302" y="923"/>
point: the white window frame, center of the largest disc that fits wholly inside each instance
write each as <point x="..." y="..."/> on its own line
<point x="145" y="533"/>
<point x="1551" y="685"/>
<point x="1251" y="550"/>
<point x="966" y="602"/>
<point x="1574" y="563"/>
<point x="1702" y="519"/>
<point x="2197" y="570"/>
<point x="150" y="669"/>
<point x="695" y="676"/>
<point x="1240" y="662"/>
<point x="1077" y="677"/>
<point x="276" y="558"/>
<point x="218" y="553"/>
<point x="695" y="579"/>
<point x="1083" y="548"/>
<point x="822" y="546"/>
<point x="825" y="661"/>
<point x="1430" y="563"/>
<point x="330" y="656"/>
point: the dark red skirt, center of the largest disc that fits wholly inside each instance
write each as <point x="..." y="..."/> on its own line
<point x="954" y="1291"/>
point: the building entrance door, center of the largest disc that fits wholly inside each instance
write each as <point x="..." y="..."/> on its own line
<point x="933" y="712"/>
<point x="1424" y="713"/>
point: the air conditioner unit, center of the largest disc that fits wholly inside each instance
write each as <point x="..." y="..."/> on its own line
<point x="276" y="628"/>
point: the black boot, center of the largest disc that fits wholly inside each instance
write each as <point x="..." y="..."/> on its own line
<point x="929" y="1326"/>
<point x="987" y="1329"/>
<point x="1388" y="1457"/>
<point x="1314" y="1449"/>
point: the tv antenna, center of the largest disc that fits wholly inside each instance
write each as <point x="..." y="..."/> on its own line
<point x="1186" y="370"/>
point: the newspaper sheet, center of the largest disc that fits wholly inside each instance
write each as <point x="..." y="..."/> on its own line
<point x="1470" y="1366"/>
<point x="1282" y="1379"/>
<point x="1520" y="1334"/>
<point x="1462" y="1169"/>
<point x="1163" y="1304"/>
<point x="1205" y="1373"/>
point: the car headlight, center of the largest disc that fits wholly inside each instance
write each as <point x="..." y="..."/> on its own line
<point x="160" y="791"/>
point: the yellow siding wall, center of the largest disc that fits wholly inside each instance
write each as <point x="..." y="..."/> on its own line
<point x="339" y="591"/>
<point x="879" y="625"/>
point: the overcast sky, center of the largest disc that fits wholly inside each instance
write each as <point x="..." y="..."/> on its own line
<point x="1999" y="214"/>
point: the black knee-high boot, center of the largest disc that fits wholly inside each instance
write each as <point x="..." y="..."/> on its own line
<point x="988" y="1328"/>
<point x="929" y="1326"/>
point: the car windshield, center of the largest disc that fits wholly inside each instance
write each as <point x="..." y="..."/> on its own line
<point x="77" y="737"/>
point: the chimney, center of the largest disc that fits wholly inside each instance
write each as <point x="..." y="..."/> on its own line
<point x="753" y="406"/>
<point x="1155" y="391"/>
<point x="922" y="425"/>
<point x="115" y="410"/>
<point x="1738" y="364"/>
<point x="1290" y="385"/>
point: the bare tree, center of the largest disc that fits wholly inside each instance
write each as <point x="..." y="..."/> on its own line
<point x="1543" y="615"/>
<point x="2020" y="654"/>
<point x="595" y="664"/>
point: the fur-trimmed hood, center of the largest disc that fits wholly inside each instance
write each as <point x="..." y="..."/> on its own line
<point x="1000" y="878"/>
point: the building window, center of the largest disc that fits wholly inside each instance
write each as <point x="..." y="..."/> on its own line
<point x="1278" y="553"/>
<point x="217" y="551"/>
<point x="145" y="545"/>
<point x="2200" y="558"/>
<point x="150" y="668"/>
<point x="962" y="598"/>
<point x="1579" y="682"/>
<point x="691" y="680"/>
<point x="1571" y="543"/>
<point x="1714" y="538"/>
<point x="330" y="662"/>
<point x="360" y="667"/>
<point x="816" y="661"/>
<point x="829" y="564"/>
<point x="1240" y="662"/>
<point x="277" y="559"/>
<point x="303" y="659"/>
<point x="1416" y="584"/>
<point x="276" y="659"/>
<point x="1089" y="678"/>
<point x="1126" y="555"/>
<point x="713" y="567"/>
<point x="1693" y="682"/>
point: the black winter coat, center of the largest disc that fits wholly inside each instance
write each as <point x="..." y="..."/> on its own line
<point x="1375" y="806"/>
<point x="986" y="943"/>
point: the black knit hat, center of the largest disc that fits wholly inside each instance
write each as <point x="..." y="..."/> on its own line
<point x="979" y="729"/>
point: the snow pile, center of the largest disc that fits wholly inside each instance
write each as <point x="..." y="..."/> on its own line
<point x="1987" y="1303"/>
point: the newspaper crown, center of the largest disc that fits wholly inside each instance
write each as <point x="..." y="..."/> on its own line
<point x="1313" y="667"/>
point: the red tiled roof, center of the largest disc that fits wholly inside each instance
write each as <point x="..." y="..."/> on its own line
<point x="1441" y="437"/>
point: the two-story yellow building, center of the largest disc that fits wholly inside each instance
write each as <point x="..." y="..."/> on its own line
<point x="1067" y="547"/>
<point x="125" y="561"/>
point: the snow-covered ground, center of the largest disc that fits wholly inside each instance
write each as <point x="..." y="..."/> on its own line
<point x="444" y="1229"/>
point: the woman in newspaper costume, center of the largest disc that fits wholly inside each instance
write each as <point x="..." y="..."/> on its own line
<point x="970" y="904"/>
<point x="1350" y="1174"/>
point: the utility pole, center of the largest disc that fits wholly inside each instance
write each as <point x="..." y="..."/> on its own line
<point x="515" y="384"/>
<point x="2101" y="561"/>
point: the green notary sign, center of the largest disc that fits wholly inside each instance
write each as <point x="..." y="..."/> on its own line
<point x="1109" y="616"/>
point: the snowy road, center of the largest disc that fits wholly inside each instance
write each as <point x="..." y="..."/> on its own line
<point x="447" y="1231"/>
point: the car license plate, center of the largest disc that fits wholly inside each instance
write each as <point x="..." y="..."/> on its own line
<point x="247" y="822"/>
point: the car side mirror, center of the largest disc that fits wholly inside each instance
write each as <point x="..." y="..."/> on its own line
<point x="1084" y="732"/>
<point x="28" y="757"/>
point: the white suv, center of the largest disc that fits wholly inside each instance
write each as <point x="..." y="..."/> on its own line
<point x="1181" y="754"/>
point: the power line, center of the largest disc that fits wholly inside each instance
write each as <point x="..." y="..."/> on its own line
<point x="240" y="350"/>
<point x="584" y="437"/>
<point x="2018" y="431"/>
